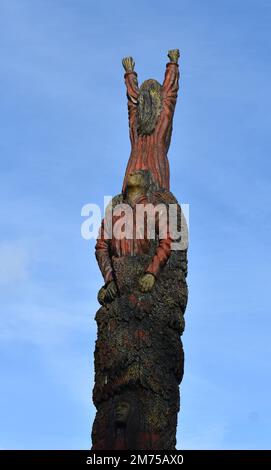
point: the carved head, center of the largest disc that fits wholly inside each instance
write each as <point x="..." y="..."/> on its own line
<point x="149" y="106"/>
<point x="122" y="415"/>
<point x="139" y="178"/>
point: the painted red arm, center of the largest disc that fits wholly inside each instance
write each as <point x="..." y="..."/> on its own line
<point x="102" y="253"/>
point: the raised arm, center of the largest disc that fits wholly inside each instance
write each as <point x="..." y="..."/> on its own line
<point x="171" y="81"/>
<point x="130" y="78"/>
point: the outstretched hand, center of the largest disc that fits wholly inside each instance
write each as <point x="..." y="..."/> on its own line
<point x="146" y="282"/>
<point x="128" y="64"/>
<point x="174" y="55"/>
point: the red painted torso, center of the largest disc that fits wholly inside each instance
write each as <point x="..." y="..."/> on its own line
<point x="109" y="244"/>
<point x="149" y="152"/>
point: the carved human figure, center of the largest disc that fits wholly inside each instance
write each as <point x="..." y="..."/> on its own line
<point x="136" y="193"/>
<point x="151" y="108"/>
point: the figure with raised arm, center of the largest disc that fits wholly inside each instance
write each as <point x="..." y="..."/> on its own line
<point x="151" y="108"/>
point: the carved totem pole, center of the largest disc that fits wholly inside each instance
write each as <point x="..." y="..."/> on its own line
<point x="139" y="356"/>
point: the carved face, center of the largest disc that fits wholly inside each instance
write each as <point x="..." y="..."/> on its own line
<point x="149" y="106"/>
<point x="122" y="412"/>
<point x="139" y="178"/>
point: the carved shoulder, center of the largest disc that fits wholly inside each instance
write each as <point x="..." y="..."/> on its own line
<point x="164" y="196"/>
<point x="118" y="199"/>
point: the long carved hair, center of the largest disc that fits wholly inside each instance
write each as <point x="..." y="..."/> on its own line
<point x="149" y="106"/>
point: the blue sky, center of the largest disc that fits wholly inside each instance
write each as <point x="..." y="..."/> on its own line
<point x="64" y="143"/>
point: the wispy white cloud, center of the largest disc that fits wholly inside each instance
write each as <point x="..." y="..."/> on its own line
<point x="62" y="336"/>
<point x="13" y="262"/>
<point x="36" y="316"/>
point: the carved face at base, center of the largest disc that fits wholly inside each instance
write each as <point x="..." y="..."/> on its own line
<point x="122" y="411"/>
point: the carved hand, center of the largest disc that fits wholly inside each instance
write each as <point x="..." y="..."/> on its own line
<point x="128" y="64"/>
<point x="101" y="295"/>
<point x="174" y="55"/>
<point x="111" y="291"/>
<point x="146" y="282"/>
